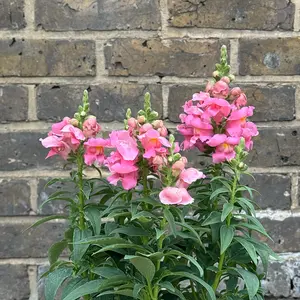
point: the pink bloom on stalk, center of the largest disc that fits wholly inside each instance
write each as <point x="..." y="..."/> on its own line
<point x="163" y="131"/>
<point x="57" y="127"/>
<point x="216" y="108"/>
<point x="238" y="96"/>
<point x="94" y="150"/>
<point x="220" y="89"/>
<point x="132" y="122"/>
<point x="174" y="195"/>
<point x="122" y="170"/>
<point x="237" y="120"/>
<point x="125" y="144"/>
<point x="224" y="147"/>
<point x="248" y="132"/>
<point x="188" y="176"/>
<point x="191" y="109"/>
<point x="57" y="145"/>
<point x="187" y="132"/>
<point x="72" y="135"/>
<point x="90" y="127"/>
<point x="201" y="131"/>
<point x="152" y="142"/>
<point x="201" y="97"/>
<point x="145" y="128"/>
<point x="179" y="166"/>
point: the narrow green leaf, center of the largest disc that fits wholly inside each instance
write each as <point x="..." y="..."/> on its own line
<point x="117" y="247"/>
<point x="107" y="272"/>
<point x="131" y="231"/>
<point x="103" y="241"/>
<point x="137" y="289"/>
<point x="54" y="280"/>
<point x="79" y="249"/>
<point x="248" y="247"/>
<point x="94" y="216"/>
<point x="217" y="192"/>
<point x="159" y="233"/>
<point x="213" y="218"/>
<point x="57" y="199"/>
<point x="46" y="219"/>
<point x="170" y="220"/>
<point x="72" y="285"/>
<point x="144" y="265"/>
<point x="55" y="251"/>
<point x="227" y="209"/>
<point x="226" y="235"/>
<point x="88" y="288"/>
<point x="125" y="292"/>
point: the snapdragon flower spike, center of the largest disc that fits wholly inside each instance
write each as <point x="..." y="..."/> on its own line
<point x="94" y="150"/>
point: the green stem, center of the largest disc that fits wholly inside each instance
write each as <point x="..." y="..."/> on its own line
<point x="193" y="290"/>
<point x="80" y="164"/>
<point x="228" y="220"/>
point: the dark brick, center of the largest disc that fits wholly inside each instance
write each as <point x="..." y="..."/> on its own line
<point x="15" y="243"/>
<point x="109" y="102"/>
<point x="12" y="14"/>
<point x="14" y="103"/>
<point x="14" y="197"/>
<point x="56" y="15"/>
<point x="232" y="14"/>
<point x="272" y="103"/>
<point x="47" y="58"/>
<point x="23" y="150"/>
<point x="55" y="207"/>
<point x="274" y="190"/>
<point x="269" y="56"/>
<point x="183" y="58"/>
<point x="285" y="234"/>
<point x="276" y="147"/>
<point x="14" y="283"/>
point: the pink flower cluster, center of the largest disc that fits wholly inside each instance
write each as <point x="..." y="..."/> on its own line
<point x="216" y="120"/>
<point x="65" y="138"/>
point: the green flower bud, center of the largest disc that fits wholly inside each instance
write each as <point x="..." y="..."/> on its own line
<point x="83" y="114"/>
<point x="171" y="139"/>
<point x="154" y="115"/>
<point x="128" y="113"/>
<point x="76" y="115"/>
<point x="176" y="157"/>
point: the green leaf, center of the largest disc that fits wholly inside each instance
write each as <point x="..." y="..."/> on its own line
<point x="150" y="201"/>
<point x="117" y="247"/>
<point x="125" y="292"/>
<point x="227" y="209"/>
<point x="72" y="285"/>
<point x="88" y="288"/>
<point x="213" y="218"/>
<point x="188" y="257"/>
<point x="55" y="251"/>
<point x="54" y="280"/>
<point x="107" y="272"/>
<point x="46" y="219"/>
<point x="171" y="289"/>
<point x="143" y="214"/>
<point x="131" y="231"/>
<point x="94" y="216"/>
<point x="251" y="281"/>
<point x="253" y="227"/>
<point x="170" y="220"/>
<point x="79" y="249"/>
<point x="217" y="192"/>
<point x="191" y="229"/>
<point x="144" y="265"/>
<point x="226" y="235"/>
<point x="159" y="233"/>
<point x="248" y="247"/>
<point x="56" y="199"/>
<point x="137" y="289"/>
<point x="209" y="289"/>
<point x="103" y="241"/>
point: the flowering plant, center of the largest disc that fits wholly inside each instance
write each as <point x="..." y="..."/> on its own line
<point x="155" y="227"/>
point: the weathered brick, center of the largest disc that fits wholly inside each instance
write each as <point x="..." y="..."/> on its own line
<point x="47" y="58"/>
<point x="23" y="150"/>
<point x="274" y="190"/>
<point x="286" y="234"/>
<point x="272" y="102"/>
<point x="15" y="243"/>
<point x="12" y="14"/>
<point x="13" y="103"/>
<point x="283" y="278"/>
<point x="276" y="147"/>
<point x="55" y="207"/>
<point x="190" y="58"/>
<point x="14" y="197"/>
<point x="109" y="102"/>
<point x="57" y="15"/>
<point x="14" y="283"/>
<point x="269" y="56"/>
<point x="232" y="14"/>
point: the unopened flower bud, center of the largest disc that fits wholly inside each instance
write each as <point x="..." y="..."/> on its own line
<point x="216" y="74"/>
<point x="141" y="119"/>
<point x="141" y="112"/>
<point x="158" y="124"/>
<point x="231" y="77"/>
<point x="77" y="115"/>
<point x="163" y="131"/>
<point x="154" y="114"/>
<point x="74" y="122"/>
<point x="171" y="139"/>
<point x="177" y="157"/>
<point x="83" y="114"/>
<point x="225" y="79"/>
<point x="132" y="122"/>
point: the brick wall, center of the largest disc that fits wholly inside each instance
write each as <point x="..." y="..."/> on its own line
<point x="50" y="50"/>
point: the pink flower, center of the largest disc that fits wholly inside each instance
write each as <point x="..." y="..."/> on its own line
<point x="188" y="176"/>
<point x="201" y="97"/>
<point x="191" y="109"/>
<point x="90" y="127"/>
<point x="216" y="108"/>
<point x="125" y="144"/>
<point x="145" y="128"/>
<point x="220" y="89"/>
<point x="201" y="131"/>
<point x="174" y="195"/>
<point x="178" y="166"/>
<point x="132" y="122"/>
<point x="94" y="150"/>
<point x="57" y="127"/>
<point x="57" y="145"/>
<point x="224" y="147"/>
<point x="248" y="132"/>
<point x="122" y="170"/>
<point x="158" y="162"/>
<point x="72" y="136"/>
<point x="152" y="143"/>
<point x="163" y="131"/>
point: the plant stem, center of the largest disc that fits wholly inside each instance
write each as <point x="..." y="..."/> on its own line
<point x="228" y="220"/>
<point x="80" y="165"/>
